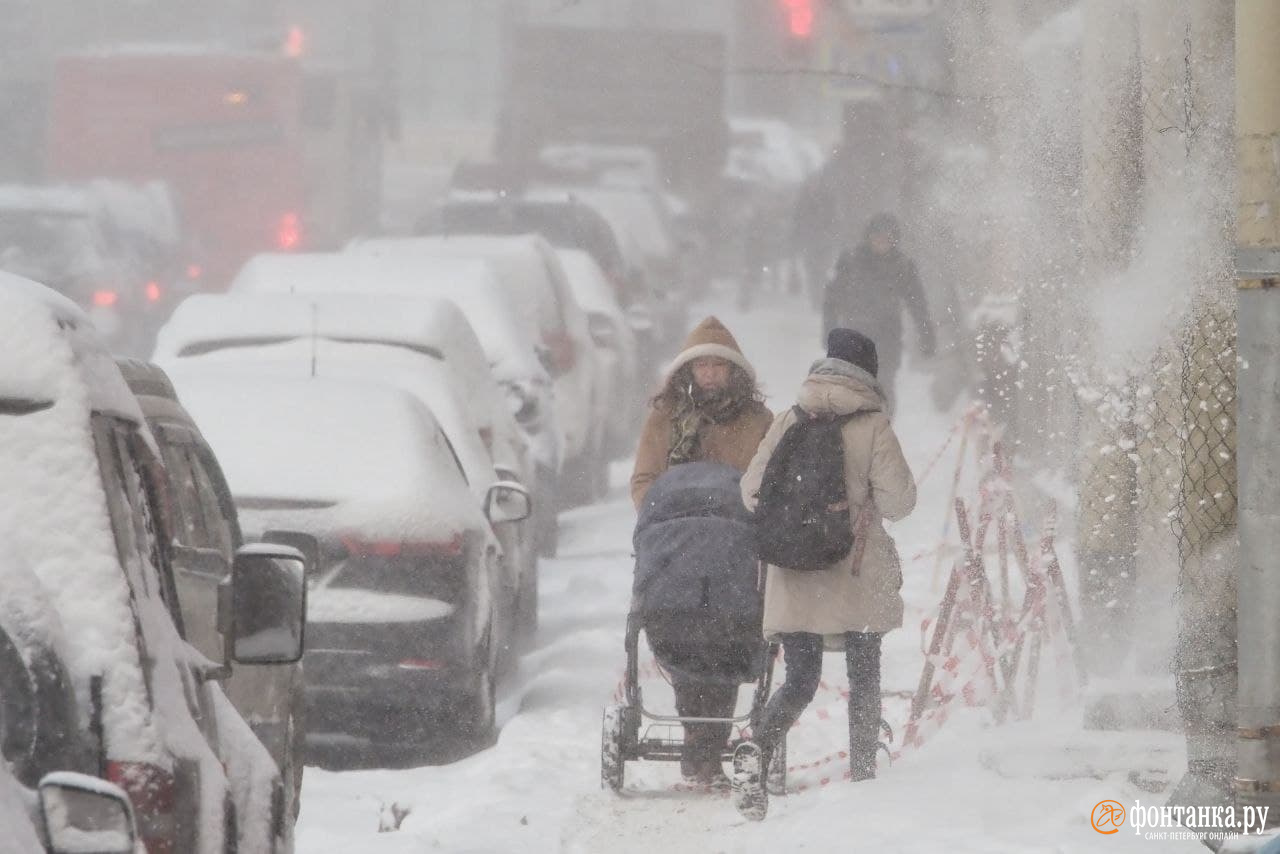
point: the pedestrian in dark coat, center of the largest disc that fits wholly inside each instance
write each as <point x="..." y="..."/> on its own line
<point x="873" y="284"/>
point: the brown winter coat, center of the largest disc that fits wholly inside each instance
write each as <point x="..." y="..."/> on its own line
<point x="733" y="443"/>
<point x="834" y="601"/>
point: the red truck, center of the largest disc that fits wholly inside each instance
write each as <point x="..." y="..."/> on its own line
<point x="222" y="127"/>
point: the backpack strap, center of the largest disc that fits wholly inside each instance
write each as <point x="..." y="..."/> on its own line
<point x="860" y="534"/>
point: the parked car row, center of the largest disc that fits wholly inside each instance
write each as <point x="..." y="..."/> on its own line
<point x="410" y="404"/>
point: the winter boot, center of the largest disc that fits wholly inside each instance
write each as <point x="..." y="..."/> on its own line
<point x="749" y="795"/>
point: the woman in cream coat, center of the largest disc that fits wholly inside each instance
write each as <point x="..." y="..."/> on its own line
<point x="849" y="606"/>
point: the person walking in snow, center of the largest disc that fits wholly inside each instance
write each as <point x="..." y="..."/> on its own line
<point x="709" y="410"/>
<point x="850" y="605"/>
<point x="869" y="290"/>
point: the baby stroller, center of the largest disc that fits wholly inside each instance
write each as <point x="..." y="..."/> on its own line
<point x="697" y="595"/>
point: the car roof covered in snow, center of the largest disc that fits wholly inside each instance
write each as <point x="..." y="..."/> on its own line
<point x="64" y="354"/>
<point x="72" y="201"/>
<point x="427" y="378"/>
<point x="468" y="283"/>
<point x="208" y="322"/>
<point x="335" y="453"/>
<point x="520" y="262"/>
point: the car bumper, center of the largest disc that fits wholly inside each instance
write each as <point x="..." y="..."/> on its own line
<point x="400" y="674"/>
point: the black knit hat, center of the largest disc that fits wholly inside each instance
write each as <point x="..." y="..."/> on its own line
<point x="854" y="347"/>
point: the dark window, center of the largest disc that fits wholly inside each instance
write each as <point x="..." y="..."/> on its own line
<point x="190" y="518"/>
<point x="218" y="525"/>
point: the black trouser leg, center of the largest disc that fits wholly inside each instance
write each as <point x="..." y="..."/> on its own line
<point x="803" y="654"/>
<point x="704" y="742"/>
<point x="862" y="658"/>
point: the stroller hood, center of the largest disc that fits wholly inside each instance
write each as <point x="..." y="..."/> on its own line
<point x="693" y="490"/>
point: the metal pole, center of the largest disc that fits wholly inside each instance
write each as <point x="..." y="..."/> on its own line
<point x="1258" y="311"/>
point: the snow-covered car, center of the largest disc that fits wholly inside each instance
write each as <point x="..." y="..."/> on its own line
<point x="529" y="272"/>
<point x="400" y="644"/>
<point x="81" y="502"/>
<point x="507" y="343"/>
<point x="567" y="223"/>
<point x="617" y="355"/>
<point x="205" y="538"/>
<point x="423" y="345"/>
<point x="111" y="247"/>
<point x="651" y="249"/>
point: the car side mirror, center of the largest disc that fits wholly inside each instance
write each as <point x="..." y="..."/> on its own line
<point x="82" y="813"/>
<point x="268" y="604"/>
<point x="507" y="501"/>
<point x="640" y="318"/>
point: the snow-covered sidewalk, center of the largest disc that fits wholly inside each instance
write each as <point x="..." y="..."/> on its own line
<point x="974" y="787"/>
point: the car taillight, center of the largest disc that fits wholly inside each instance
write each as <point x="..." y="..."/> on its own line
<point x="289" y="232"/>
<point x="359" y="547"/>
<point x="153" y="792"/>
<point x="105" y="298"/>
<point x="563" y="354"/>
<point x="153" y="292"/>
<point x="194" y="271"/>
<point x="422" y="664"/>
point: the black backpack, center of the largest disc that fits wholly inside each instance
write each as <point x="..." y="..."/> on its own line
<point x="795" y="527"/>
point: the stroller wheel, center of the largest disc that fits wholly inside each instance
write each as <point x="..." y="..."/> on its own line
<point x="612" y="764"/>
<point x="776" y="779"/>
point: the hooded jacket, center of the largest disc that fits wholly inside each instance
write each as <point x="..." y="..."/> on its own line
<point x="836" y="600"/>
<point x="732" y="442"/>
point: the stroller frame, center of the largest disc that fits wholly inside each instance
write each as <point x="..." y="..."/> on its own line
<point x="622" y="739"/>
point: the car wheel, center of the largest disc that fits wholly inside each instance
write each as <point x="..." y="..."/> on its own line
<point x="474" y="713"/>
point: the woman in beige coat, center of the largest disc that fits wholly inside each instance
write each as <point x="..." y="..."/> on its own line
<point x="846" y="607"/>
<point x="708" y="410"/>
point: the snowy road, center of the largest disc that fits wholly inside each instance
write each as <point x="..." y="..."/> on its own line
<point x="972" y="788"/>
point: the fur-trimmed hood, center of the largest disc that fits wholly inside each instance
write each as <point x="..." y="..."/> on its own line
<point x="709" y="338"/>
